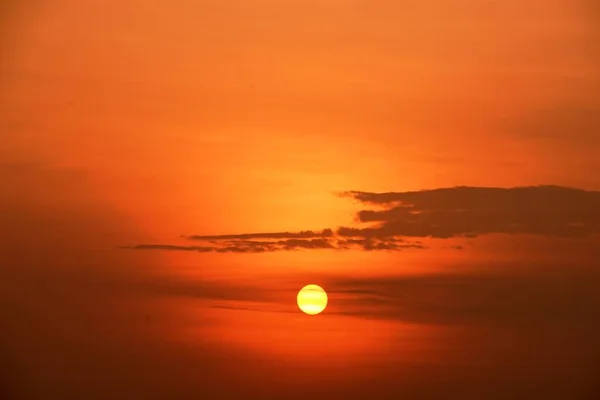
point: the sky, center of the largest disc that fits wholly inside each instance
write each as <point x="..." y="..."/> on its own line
<point x="174" y="172"/>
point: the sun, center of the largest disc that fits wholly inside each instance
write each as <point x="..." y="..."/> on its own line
<point x="312" y="299"/>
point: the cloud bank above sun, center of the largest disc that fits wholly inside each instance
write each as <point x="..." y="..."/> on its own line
<point x="400" y="219"/>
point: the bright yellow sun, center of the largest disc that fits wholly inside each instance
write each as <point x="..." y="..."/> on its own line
<point x="312" y="299"/>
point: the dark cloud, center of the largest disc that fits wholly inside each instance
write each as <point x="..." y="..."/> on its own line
<point x="275" y="235"/>
<point x="242" y="246"/>
<point x="201" y="249"/>
<point x="467" y="212"/>
<point x="371" y="243"/>
<point x="249" y="246"/>
<point x="473" y="211"/>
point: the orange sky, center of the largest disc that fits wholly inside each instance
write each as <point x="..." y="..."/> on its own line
<point x="156" y="100"/>
<point x="134" y="122"/>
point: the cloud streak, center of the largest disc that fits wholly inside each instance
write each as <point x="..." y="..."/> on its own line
<point x="251" y="246"/>
<point x="277" y="235"/>
<point x="534" y="298"/>
<point x="457" y="212"/>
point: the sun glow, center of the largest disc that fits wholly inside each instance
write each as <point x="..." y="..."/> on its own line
<point x="312" y="299"/>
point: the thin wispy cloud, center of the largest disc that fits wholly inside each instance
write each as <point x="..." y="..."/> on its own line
<point x="275" y="235"/>
<point x="249" y="246"/>
<point x="502" y="297"/>
<point x="242" y="246"/>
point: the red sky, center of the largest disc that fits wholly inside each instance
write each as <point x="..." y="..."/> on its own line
<point x="131" y="123"/>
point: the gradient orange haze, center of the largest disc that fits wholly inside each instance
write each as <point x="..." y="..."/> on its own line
<point x="132" y="122"/>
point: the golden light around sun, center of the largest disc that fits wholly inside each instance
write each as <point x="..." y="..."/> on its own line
<point x="312" y="299"/>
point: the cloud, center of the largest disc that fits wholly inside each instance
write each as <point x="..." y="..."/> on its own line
<point x="474" y="211"/>
<point x="458" y="212"/>
<point x="276" y="235"/>
<point x="201" y="249"/>
<point x="256" y="308"/>
<point x="242" y="246"/>
<point x="546" y="294"/>
<point x="249" y="246"/>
